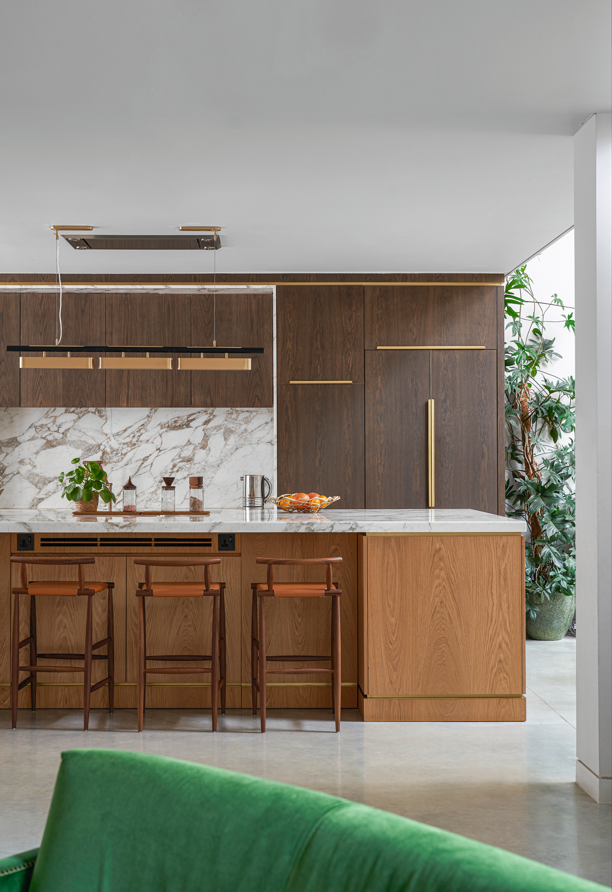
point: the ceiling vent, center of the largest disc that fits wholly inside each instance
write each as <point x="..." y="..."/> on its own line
<point x="144" y="242"/>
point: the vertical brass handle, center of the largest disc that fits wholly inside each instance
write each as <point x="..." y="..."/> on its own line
<point x="431" y="443"/>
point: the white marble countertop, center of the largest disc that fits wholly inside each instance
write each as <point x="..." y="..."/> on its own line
<point x="268" y="520"/>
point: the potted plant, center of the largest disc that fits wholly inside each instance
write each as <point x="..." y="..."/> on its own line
<point x="540" y="469"/>
<point x="85" y="484"/>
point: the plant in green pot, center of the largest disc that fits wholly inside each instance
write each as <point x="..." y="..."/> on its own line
<point x="540" y="468"/>
<point x="85" y="484"/>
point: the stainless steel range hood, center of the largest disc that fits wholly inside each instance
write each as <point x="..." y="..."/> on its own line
<point x="144" y="242"/>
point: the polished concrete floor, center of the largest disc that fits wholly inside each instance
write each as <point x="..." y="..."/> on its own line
<point x="510" y="785"/>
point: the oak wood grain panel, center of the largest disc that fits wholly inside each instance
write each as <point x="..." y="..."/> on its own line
<point x="83" y="322"/>
<point x="9" y="362"/>
<point x="176" y="696"/>
<point x="464" y="387"/>
<point x="430" y="316"/>
<point x="396" y="393"/>
<point x="362" y="612"/>
<point x="61" y="628"/>
<point x="477" y="709"/>
<point x="445" y="616"/>
<point x="501" y="406"/>
<point x="321" y="441"/>
<point x="184" y="625"/>
<point x="5" y="609"/>
<point x="242" y="320"/>
<point x="148" y="320"/>
<point x="300" y="625"/>
<point x="320" y="333"/>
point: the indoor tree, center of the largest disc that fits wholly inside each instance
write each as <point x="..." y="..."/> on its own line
<point x="540" y="466"/>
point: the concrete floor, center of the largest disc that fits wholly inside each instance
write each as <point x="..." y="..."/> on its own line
<point x="510" y="785"/>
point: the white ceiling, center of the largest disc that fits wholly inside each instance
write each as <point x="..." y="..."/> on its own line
<point x="323" y="135"/>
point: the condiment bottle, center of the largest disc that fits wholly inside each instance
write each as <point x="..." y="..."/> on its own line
<point x="167" y="494"/>
<point x="196" y="493"/>
<point x="129" y="497"/>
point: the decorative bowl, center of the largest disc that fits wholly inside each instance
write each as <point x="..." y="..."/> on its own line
<point x="299" y="506"/>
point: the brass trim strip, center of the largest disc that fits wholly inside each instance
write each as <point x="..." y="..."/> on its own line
<point x="449" y="697"/>
<point x="150" y="363"/>
<point x="56" y="362"/>
<point x="436" y="347"/>
<point x="431" y="451"/>
<point x="369" y="535"/>
<point x="220" y="364"/>
<point x="320" y="382"/>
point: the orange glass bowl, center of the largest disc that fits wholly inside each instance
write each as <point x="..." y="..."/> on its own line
<point x="299" y="506"/>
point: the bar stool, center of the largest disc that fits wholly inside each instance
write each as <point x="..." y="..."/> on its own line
<point x="70" y="588"/>
<point x="215" y="590"/>
<point x="261" y="591"/>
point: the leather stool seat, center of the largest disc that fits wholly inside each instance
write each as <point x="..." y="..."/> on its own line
<point x="182" y="589"/>
<point x="69" y="588"/>
<point x="295" y="589"/>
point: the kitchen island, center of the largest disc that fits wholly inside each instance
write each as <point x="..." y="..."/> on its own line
<point x="432" y="607"/>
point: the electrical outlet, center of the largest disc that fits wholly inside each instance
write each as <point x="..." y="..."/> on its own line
<point x="25" y="542"/>
<point x="227" y="542"/>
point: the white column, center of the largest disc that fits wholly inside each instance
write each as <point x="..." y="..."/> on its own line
<point x="593" y="247"/>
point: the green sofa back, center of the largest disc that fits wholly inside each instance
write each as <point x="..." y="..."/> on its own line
<point x="123" y="822"/>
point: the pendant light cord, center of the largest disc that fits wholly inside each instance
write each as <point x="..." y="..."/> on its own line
<point x="59" y="278"/>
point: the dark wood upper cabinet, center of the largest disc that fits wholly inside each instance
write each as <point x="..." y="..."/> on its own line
<point x="320" y="441"/>
<point x="464" y="388"/>
<point x="83" y="322"/>
<point x="9" y="362"/>
<point x="242" y="320"/>
<point x="320" y="333"/>
<point x="148" y="320"/>
<point x="396" y="395"/>
<point x="431" y="316"/>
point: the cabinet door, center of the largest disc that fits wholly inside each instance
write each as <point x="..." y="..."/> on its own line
<point x="320" y="332"/>
<point x="429" y="316"/>
<point x="148" y="320"/>
<point x="9" y="362"/>
<point x="320" y="441"/>
<point x="83" y="322"/>
<point x="242" y="320"/>
<point x="396" y="394"/>
<point x="464" y="388"/>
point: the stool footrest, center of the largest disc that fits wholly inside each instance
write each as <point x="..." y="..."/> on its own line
<point x="26" y="681"/>
<point x="52" y="669"/>
<point x="100" y="684"/>
<point x="179" y="657"/>
<point x="291" y="658"/>
<point x="26" y="641"/>
<point x="100" y="643"/>
<point x="186" y="671"/>
<point x="300" y="671"/>
<point x="70" y="656"/>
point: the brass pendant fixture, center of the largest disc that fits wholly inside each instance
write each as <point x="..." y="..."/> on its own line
<point x="153" y="363"/>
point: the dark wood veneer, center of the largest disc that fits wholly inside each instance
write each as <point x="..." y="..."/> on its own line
<point x="9" y="362"/>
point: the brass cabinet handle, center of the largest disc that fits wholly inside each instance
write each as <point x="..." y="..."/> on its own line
<point x="431" y="443"/>
<point x="437" y="347"/>
<point x="320" y="382"/>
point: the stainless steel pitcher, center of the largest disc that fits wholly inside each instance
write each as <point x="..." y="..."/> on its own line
<point x="256" y="490"/>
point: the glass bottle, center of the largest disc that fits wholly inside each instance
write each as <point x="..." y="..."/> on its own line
<point x="167" y="494"/>
<point x="129" y="497"/>
<point x="196" y="493"/>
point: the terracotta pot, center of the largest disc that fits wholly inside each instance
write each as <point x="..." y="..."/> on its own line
<point x="88" y="507"/>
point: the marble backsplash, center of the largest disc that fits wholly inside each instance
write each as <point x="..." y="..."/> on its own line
<point x="218" y="444"/>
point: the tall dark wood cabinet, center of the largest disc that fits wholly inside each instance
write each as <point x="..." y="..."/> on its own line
<point x="241" y="320"/>
<point x="148" y="320"/>
<point x="83" y="322"/>
<point x="9" y="362"/>
<point x="321" y="391"/>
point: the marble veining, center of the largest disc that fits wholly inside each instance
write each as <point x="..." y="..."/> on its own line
<point x="268" y="520"/>
<point x="218" y="444"/>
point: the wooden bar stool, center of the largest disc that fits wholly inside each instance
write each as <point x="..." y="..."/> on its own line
<point x="70" y="588"/>
<point x="259" y="657"/>
<point x="215" y="590"/>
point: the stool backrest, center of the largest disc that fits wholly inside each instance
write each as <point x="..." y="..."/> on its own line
<point x="272" y="562"/>
<point x="51" y="562"/>
<point x="147" y="563"/>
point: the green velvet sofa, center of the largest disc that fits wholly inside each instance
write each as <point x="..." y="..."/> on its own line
<point x="124" y="822"/>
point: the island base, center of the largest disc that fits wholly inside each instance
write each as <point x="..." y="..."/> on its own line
<point x="460" y="709"/>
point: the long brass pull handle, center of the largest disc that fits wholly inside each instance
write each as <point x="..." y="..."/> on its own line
<point x="431" y="443"/>
<point x="442" y="347"/>
<point x="320" y="382"/>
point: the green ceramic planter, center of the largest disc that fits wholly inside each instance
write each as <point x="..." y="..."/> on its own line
<point x="553" y="619"/>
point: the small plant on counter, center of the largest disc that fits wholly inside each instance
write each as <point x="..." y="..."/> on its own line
<point x="84" y="481"/>
<point x="540" y="471"/>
